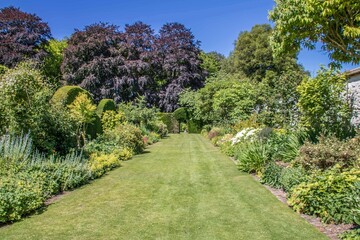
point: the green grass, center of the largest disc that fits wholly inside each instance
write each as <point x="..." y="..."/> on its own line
<point x="184" y="188"/>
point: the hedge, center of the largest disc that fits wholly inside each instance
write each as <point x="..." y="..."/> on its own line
<point x="105" y="105"/>
<point x="67" y="94"/>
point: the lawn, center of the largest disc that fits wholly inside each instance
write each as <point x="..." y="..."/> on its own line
<point x="181" y="188"/>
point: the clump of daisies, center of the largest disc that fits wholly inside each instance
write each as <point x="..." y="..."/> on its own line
<point x="247" y="134"/>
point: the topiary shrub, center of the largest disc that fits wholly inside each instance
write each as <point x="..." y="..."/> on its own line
<point x="68" y="94"/>
<point x="94" y="128"/>
<point x="105" y="105"/>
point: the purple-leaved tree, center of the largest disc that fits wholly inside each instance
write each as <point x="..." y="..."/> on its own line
<point x="22" y="36"/>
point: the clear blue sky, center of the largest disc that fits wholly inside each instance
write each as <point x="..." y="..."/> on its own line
<point x="216" y="23"/>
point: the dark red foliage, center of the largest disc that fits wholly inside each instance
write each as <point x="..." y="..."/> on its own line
<point x="22" y="36"/>
<point x="138" y="75"/>
<point x="178" y="55"/>
<point x="93" y="61"/>
<point x="123" y="66"/>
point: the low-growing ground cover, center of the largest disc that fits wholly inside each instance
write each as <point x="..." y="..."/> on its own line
<point x="182" y="188"/>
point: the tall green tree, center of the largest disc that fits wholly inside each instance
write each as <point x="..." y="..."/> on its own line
<point x="334" y="23"/>
<point x="211" y="62"/>
<point x="324" y="107"/>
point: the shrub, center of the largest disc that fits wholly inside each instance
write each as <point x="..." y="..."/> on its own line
<point x="332" y="195"/>
<point x="67" y="94"/>
<point x="323" y="107"/>
<point x="328" y="152"/>
<point x="271" y="175"/>
<point x="291" y="177"/>
<point x="215" y="132"/>
<point x="25" y="107"/>
<point x="126" y="136"/>
<point x="102" y="163"/>
<point x="285" y="146"/>
<point x="19" y="195"/>
<point x="252" y="156"/>
<point x="246" y="134"/>
<point x="110" y="119"/>
<point x="353" y="234"/>
<point x="105" y="105"/>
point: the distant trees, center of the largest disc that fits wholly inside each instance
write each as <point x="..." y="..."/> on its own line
<point x="22" y="36"/>
<point x="125" y="65"/>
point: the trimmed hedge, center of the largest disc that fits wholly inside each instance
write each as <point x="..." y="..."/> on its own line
<point x="105" y="105"/>
<point x="67" y="94"/>
<point x="95" y="128"/>
<point x="170" y="121"/>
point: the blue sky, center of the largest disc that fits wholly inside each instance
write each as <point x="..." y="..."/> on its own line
<point x="216" y="23"/>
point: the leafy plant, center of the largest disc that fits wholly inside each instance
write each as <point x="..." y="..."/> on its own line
<point x="329" y="152"/>
<point x="83" y="112"/>
<point x="271" y="175"/>
<point x="332" y="195"/>
<point x="252" y="156"/>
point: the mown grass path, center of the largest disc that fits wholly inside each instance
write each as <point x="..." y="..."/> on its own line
<point x="183" y="188"/>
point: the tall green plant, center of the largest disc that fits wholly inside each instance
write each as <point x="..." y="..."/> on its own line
<point x="324" y="106"/>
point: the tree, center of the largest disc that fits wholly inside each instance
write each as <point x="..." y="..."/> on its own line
<point x="138" y="76"/>
<point x="177" y="55"/>
<point x="83" y="111"/>
<point x="211" y="62"/>
<point x="52" y="63"/>
<point x="323" y="106"/>
<point x="335" y="23"/>
<point x="22" y="36"/>
<point x="93" y="60"/>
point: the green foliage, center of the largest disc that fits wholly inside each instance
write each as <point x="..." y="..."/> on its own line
<point x="285" y="146"/>
<point x="94" y="128"/>
<point x="101" y="163"/>
<point x="180" y="114"/>
<point x="271" y="175"/>
<point x="52" y="63"/>
<point x="304" y="23"/>
<point x="19" y="196"/>
<point x="194" y="126"/>
<point x="126" y="136"/>
<point x="353" y="234"/>
<point x="3" y="69"/>
<point x="291" y="177"/>
<point x="105" y="105"/>
<point x="110" y="119"/>
<point x="29" y="178"/>
<point x="138" y="113"/>
<point x="332" y="195"/>
<point x="323" y="107"/>
<point x="25" y="107"/>
<point x="211" y="62"/>
<point x="253" y="156"/>
<point x="82" y="110"/>
<point x="330" y="152"/>
<point x="67" y="94"/>
<point x="171" y="123"/>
